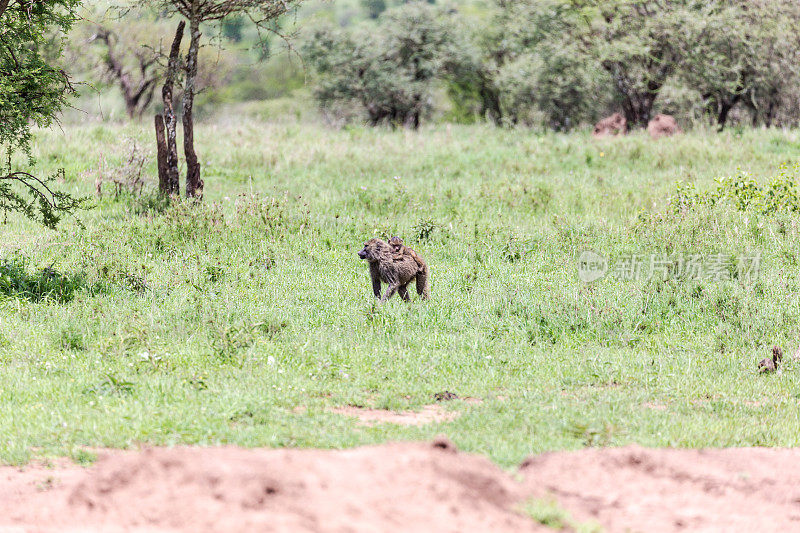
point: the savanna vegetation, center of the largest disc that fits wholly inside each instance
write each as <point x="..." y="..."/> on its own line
<point x="245" y="316"/>
<point x="212" y="324"/>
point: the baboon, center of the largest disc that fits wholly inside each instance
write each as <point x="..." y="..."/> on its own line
<point x="399" y="250"/>
<point x="771" y="365"/>
<point x="396" y="270"/>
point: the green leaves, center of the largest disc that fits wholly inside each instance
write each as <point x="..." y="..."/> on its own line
<point x="37" y="199"/>
<point x="32" y="91"/>
<point x="743" y="192"/>
<point x="389" y="73"/>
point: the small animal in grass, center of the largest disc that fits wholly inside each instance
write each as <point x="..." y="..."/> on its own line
<point x="396" y="270"/>
<point x="399" y="250"/>
<point x="771" y="365"/>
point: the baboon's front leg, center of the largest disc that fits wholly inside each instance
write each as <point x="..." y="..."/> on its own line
<point x="376" y="279"/>
<point x="402" y="290"/>
<point x="376" y="287"/>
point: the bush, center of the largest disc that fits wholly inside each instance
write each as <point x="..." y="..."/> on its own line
<point x="390" y="73"/>
<point x="742" y="192"/>
<point x="552" y="85"/>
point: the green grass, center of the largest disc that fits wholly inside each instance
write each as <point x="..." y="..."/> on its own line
<point x="548" y="513"/>
<point x="210" y="325"/>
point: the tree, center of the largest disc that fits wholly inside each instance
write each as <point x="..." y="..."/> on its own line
<point x="774" y="88"/>
<point x="32" y="91"/>
<point x="389" y="72"/>
<point x="263" y="13"/>
<point x="551" y="84"/>
<point x="374" y="8"/>
<point x="637" y="44"/>
<point x="742" y="52"/>
<point x="544" y="73"/>
<point x="133" y="67"/>
<point x="471" y="70"/>
<point x="560" y="53"/>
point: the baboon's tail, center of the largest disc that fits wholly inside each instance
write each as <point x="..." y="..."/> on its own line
<point x="423" y="282"/>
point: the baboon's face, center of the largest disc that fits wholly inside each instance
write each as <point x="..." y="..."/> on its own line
<point x="396" y="243"/>
<point x="370" y="251"/>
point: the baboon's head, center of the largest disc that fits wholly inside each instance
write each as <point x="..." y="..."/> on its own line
<point x="396" y="243"/>
<point x="373" y="250"/>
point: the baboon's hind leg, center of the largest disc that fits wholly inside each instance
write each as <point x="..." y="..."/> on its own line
<point x="402" y="290"/>
<point x="423" y="286"/>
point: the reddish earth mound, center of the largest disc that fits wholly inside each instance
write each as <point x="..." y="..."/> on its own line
<point x="404" y="487"/>
<point x="663" y="126"/>
<point x="395" y="487"/>
<point x="654" y="490"/>
<point x="611" y="126"/>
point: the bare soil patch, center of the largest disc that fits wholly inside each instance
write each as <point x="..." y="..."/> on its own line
<point x="427" y="415"/>
<point x="404" y="487"/>
<point x="393" y="488"/>
<point x="655" y="490"/>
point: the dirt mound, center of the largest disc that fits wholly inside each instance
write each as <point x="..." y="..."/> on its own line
<point x="611" y="126"/>
<point x="405" y="487"/>
<point x="663" y="126"/>
<point x="395" y="487"/>
<point x="643" y="489"/>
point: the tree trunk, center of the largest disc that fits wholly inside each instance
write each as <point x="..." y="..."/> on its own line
<point x="725" y="107"/>
<point x="161" y="145"/>
<point x="171" y="123"/>
<point x="194" y="185"/>
<point x="722" y="117"/>
<point x="490" y="102"/>
<point x="772" y="108"/>
<point x="637" y="102"/>
<point x="638" y="108"/>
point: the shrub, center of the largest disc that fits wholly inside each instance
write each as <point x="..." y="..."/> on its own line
<point x="389" y="73"/>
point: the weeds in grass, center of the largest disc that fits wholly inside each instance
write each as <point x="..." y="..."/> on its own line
<point x="149" y="203"/>
<point x="743" y="192"/>
<point x="515" y="249"/>
<point x="83" y="457"/>
<point x="150" y="362"/>
<point x="197" y="382"/>
<point x="71" y="339"/>
<point x="594" y="434"/>
<point x="16" y="280"/>
<point x="229" y="343"/>
<point x="549" y="513"/>
<point x="111" y="385"/>
<point x="425" y="228"/>
<point x="539" y="197"/>
<point x="127" y="177"/>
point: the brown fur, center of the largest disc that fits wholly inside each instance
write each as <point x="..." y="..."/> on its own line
<point x="399" y="250"/>
<point x="396" y="269"/>
<point x="771" y="365"/>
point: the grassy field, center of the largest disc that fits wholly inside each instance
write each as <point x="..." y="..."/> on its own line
<point x="213" y="324"/>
